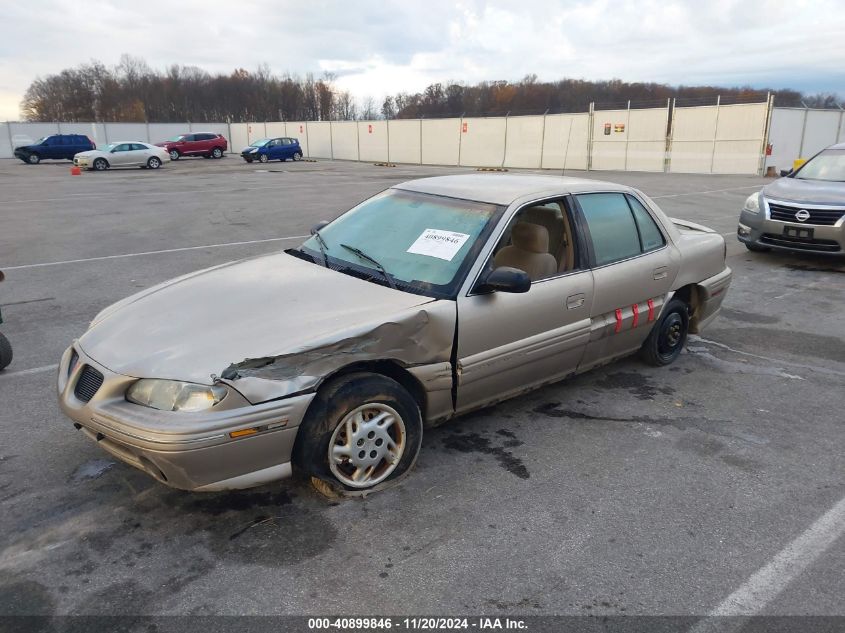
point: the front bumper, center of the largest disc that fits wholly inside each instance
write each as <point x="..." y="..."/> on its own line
<point x="759" y="229"/>
<point x="80" y="162"/>
<point x="190" y="451"/>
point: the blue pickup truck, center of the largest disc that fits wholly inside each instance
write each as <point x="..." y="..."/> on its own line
<point x="54" y="147"/>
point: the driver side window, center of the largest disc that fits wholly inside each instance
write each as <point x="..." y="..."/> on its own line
<point x="538" y="241"/>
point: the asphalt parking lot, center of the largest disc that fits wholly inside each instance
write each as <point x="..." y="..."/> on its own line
<point x="628" y="490"/>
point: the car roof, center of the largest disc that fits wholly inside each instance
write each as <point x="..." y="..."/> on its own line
<point x="505" y="188"/>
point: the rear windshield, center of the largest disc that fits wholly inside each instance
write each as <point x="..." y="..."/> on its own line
<point x="828" y="165"/>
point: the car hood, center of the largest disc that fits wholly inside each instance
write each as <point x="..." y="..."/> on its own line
<point x="274" y="318"/>
<point x="806" y="191"/>
<point x="89" y="153"/>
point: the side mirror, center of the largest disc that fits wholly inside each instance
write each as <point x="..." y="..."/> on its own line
<point x="319" y="226"/>
<point x="785" y="172"/>
<point x="505" y="279"/>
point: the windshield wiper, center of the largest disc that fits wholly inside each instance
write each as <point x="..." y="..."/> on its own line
<point x="366" y="257"/>
<point x="323" y="248"/>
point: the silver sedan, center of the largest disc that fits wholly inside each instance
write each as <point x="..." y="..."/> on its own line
<point x="122" y="154"/>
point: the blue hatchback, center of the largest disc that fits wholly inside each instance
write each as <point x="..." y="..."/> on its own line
<point x="266" y="149"/>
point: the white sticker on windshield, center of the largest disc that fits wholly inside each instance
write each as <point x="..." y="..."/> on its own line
<point x="440" y="244"/>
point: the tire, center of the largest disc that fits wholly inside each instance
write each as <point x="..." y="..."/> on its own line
<point x="33" y="159"/>
<point x="5" y="352"/>
<point x="668" y="336"/>
<point x="217" y="153"/>
<point x="756" y="248"/>
<point x="359" y="404"/>
<point x="174" y="154"/>
<point x="297" y="156"/>
<point x="154" y="162"/>
<point x="100" y="164"/>
<point x="263" y="158"/>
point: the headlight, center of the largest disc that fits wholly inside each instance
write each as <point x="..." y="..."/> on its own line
<point x="172" y="395"/>
<point x="752" y="205"/>
<point x="253" y="151"/>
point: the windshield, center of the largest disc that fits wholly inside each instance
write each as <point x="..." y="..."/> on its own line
<point x="181" y="137"/>
<point x="108" y="147"/>
<point x="260" y="143"/>
<point x="828" y="165"/>
<point x="425" y="243"/>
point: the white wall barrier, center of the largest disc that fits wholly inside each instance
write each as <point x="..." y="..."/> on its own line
<point x="702" y="139"/>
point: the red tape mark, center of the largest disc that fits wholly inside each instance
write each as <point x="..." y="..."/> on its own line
<point x="636" y="310"/>
<point x="650" y="310"/>
<point x="618" y="320"/>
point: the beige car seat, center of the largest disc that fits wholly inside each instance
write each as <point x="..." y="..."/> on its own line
<point x="528" y="251"/>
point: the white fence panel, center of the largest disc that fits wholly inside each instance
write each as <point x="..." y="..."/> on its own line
<point x="6" y="148"/>
<point x="256" y="131"/>
<point x="320" y="139"/>
<point x="524" y="141"/>
<point x="822" y="130"/>
<point x="566" y="141"/>
<point x="127" y="132"/>
<point x="275" y="129"/>
<point x="240" y="136"/>
<point x="159" y="132"/>
<point x="345" y="139"/>
<point x="441" y="141"/>
<point x="740" y="131"/>
<point x="299" y="131"/>
<point x="632" y="140"/>
<point x="27" y="133"/>
<point x="785" y="137"/>
<point x="483" y="142"/>
<point x="693" y="134"/>
<point x="610" y="139"/>
<point x="372" y="141"/>
<point x="405" y="142"/>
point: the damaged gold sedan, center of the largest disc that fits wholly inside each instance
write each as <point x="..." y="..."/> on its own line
<point x="430" y="299"/>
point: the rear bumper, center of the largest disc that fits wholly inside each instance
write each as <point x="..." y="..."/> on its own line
<point x="190" y="451"/>
<point x="760" y="230"/>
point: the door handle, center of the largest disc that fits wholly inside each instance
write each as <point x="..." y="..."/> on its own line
<point x="660" y="273"/>
<point x="575" y="301"/>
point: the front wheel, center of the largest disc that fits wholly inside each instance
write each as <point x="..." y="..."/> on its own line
<point x="174" y="155"/>
<point x="361" y="430"/>
<point x="263" y="158"/>
<point x="154" y="163"/>
<point x="5" y="352"/>
<point x="100" y="164"/>
<point x="668" y="336"/>
<point x="33" y="159"/>
<point x="217" y="153"/>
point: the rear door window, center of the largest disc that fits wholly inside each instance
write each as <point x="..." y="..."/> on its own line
<point x="650" y="235"/>
<point x="612" y="228"/>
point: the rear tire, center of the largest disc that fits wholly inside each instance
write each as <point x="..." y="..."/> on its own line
<point x="756" y="248"/>
<point x="101" y="164"/>
<point x="217" y="153"/>
<point x="360" y="430"/>
<point x="668" y="336"/>
<point x="5" y="352"/>
<point x="297" y="156"/>
<point x="174" y="155"/>
<point x="33" y="159"/>
<point x="154" y="162"/>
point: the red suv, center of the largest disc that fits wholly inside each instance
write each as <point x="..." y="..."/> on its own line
<point x="207" y="145"/>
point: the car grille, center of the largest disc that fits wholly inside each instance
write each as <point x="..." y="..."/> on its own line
<point x="828" y="246"/>
<point x="819" y="217"/>
<point x="90" y="380"/>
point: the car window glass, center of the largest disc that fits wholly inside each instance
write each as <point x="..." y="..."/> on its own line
<point x="137" y="146"/>
<point x="611" y="224"/>
<point x="650" y="235"/>
<point x="123" y="147"/>
<point x="286" y="141"/>
<point x="534" y="242"/>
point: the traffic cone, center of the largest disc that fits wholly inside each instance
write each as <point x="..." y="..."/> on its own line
<point x="75" y="171"/>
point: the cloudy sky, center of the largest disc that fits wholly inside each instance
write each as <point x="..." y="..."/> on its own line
<point x="382" y="47"/>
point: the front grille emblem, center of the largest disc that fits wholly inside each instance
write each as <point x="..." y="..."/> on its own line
<point x="802" y="215"/>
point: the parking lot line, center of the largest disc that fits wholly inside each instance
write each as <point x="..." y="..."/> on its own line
<point x="765" y="585"/>
<point x="166" y="250"/>
<point x="28" y="372"/>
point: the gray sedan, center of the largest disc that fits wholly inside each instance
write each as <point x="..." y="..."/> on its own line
<point x="803" y="211"/>
<point x="433" y="298"/>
